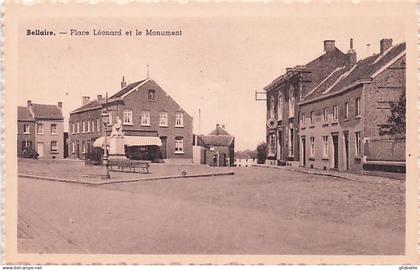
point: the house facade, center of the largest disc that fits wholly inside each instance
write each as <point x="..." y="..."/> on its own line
<point x="341" y="118"/>
<point x="283" y="96"/>
<point x="148" y="115"/>
<point x="40" y="127"/>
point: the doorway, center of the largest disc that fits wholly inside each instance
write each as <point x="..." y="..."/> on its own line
<point x="40" y="149"/>
<point x="335" y="144"/>
<point x="163" y="148"/>
<point x="303" y="151"/>
<point x="346" y="149"/>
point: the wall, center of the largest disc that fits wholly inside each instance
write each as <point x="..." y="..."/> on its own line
<point x="25" y="137"/>
<point x="47" y="137"/>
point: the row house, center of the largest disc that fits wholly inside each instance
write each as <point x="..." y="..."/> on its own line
<point x="341" y="117"/>
<point x="154" y="125"/>
<point x="283" y="96"/>
<point x="40" y="128"/>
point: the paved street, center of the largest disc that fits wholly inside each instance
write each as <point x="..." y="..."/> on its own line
<point x="255" y="211"/>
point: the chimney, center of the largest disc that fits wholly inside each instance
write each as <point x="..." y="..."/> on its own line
<point x="99" y="97"/>
<point x="329" y="45"/>
<point x="385" y="44"/>
<point x="351" y="56"/>
<point x="223" y="126"/>
<point x="60" y="105"/>
<point x="123" y="82"/>
<point x="217" y="125"/>
<point x="29" y="104"/>
<point x="85" y="100"/>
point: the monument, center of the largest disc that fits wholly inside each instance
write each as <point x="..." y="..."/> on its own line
<point x="116" y="141"/>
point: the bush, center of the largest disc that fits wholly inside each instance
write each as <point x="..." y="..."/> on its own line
<point x="261" y="153"/>
<point x="95" y="156"/>
<point x="29" y="153"/>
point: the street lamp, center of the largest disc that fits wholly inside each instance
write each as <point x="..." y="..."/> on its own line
<point x="105" y="119"/>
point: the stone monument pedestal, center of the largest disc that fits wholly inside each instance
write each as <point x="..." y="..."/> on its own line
<point x="116" y="147"/>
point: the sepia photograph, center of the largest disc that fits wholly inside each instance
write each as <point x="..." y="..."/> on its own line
<point x="162" y="129"/>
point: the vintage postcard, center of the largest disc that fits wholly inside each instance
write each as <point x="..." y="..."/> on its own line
<point x="210" y="133"/>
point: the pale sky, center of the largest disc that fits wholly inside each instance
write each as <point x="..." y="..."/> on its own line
<point x="216" y="66"/>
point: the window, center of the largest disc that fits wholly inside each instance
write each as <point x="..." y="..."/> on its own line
<point x="54" y="146"/>
<point x="73" y="128"/>
<point x="179" y="119"/>
<point x="271" y="107"/>
<point x="40" y="128"/>
<point x="312" y="146"/>
<point x="280" y="108"/>
<point x="93" y="126"/>
<point x="98" y="124"/>
<point x="302" y="120"/>
<point x="325" y="115"/>
<point x="291" y="102"/>
<point x="26" y="129"/>
<point x="325" y="140"/>
<point x="145" y="118"/>
<point x="110" y="119"/>
<point x="335" y="113"/>
<point x="163" y="119"/>
<point x="312" y="118"/>
<point x="83" y="127"/>
<point x="128" y="117"/>
<point x="179" y="145"/>
<point x="358" y="143"/>
<point x="73" y="147"/>
<point x="53" y="128"/>
<point x="78" y="127"/>
<point x="346" y="110"/>
<point x="151" y="94"/>
<point x="357" y="107"/>
<point x="88" y="126"/>
<point x="83" y="147"/>
<point x="272" y="142"/>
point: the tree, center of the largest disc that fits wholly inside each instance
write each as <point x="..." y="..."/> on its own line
<point x="261" y="153"/>
<point x="396" y="123"/>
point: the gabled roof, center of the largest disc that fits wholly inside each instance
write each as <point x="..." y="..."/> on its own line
<point x="361" y="72"/>
<point x="127" y="89"/>
<point x="94" y="104"/>
<point x="24" y="114"/>
<point x="219" y="131"/>
<point x="217" y="140"/>
<point x="317" y="69"/>
<point x="44" y="111"/>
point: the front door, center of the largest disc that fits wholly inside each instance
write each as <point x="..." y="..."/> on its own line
<point x="163" y="149"/>
<point x="303" y="151"/>
<point x="335" y="143"/>
<point x="346" y="149"/>
<point x="40" y="149"/>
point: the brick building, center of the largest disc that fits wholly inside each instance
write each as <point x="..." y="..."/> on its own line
<point x="40" y="127"/>
<point x="154" y="125"/>
<point x="341" y="117"/>
<point x="217" y="148"/>
<point x="283" y="96"/>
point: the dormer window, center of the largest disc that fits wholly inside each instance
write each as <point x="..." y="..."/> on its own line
<point x="151" y="94"/>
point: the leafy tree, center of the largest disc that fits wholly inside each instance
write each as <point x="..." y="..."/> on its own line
<point x="261" y="153"/>
<point x="396" y="123"/>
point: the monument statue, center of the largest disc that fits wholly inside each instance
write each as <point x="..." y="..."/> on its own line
<point x="117" y="128"/>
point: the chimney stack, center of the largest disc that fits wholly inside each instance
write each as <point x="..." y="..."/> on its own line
<point x="99" y="97"/>
<point x="29" y="104"/>
<point x="385" y="44"/>
<point x="123" y="82"/>
<point x="351" y="56"/>
<point x="60" y="105"/>
<point x="223" y="126"/>
<point x="329" y="45"/>
<point x="85" y="100"/>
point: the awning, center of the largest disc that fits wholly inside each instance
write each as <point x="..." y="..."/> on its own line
<point x="132" y="141"/>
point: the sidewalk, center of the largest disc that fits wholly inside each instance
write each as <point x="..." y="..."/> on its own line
<point x="78" y="172"/>
<point x="343" y="175"/>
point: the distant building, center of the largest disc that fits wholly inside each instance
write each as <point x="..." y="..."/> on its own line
<point x="154" y="125"/>
<point x="341" y="117"/>
<point x="40" y="127"/>
<point x="217" y="148"/>
<point x="283" y="96"/>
